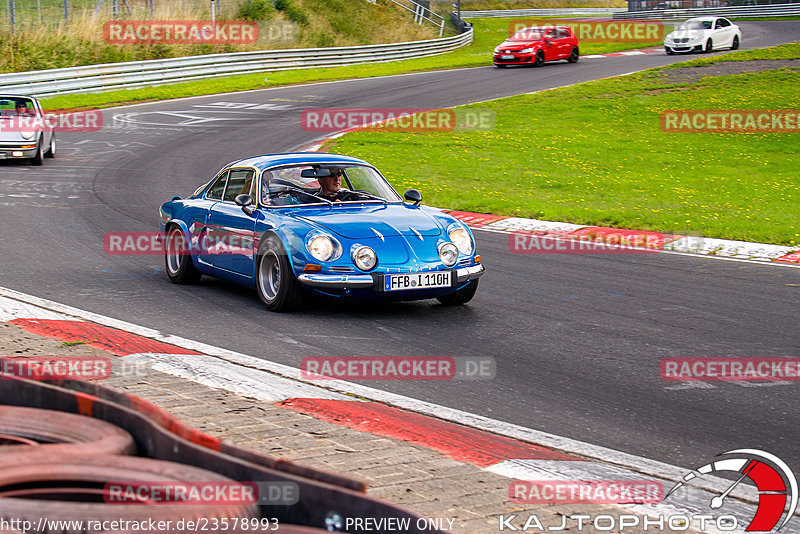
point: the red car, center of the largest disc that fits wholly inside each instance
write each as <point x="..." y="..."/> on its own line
<point x="534" y="46"/>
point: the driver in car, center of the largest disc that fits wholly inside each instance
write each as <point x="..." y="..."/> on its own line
<point x="331" y="188"/>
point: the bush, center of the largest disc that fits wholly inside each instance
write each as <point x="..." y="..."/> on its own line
<point x="255" y="10"/>
<point x="294" y="13"/>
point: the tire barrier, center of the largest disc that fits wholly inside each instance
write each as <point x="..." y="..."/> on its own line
<point x="42" y="483"/>
<point x="23" y="429"/>
<point x="44" y="489"/>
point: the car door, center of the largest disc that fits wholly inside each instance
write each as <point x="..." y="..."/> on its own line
<point x="726" y="32"/>
<point x="564" y="48"/>
<point x="229" y="230"/>
<point x="719" y="35"/>
<point x="550" y="45"/>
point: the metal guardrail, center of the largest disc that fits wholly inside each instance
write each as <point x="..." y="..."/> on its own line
<point x="420" y="13"/>
<point x="578" y="12"/>
<point x="767" y="10"/>
<point x="130" y="75"/>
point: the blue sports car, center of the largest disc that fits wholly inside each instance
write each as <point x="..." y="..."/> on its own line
<point x="300" y="223"/>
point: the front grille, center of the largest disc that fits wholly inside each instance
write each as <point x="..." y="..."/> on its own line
<point x="342" y="269"/>
<point x="465" y="261"/>
<point x="682" y="40"/>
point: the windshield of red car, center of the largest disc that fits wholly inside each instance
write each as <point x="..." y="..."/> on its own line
<point x="527" y="34"/>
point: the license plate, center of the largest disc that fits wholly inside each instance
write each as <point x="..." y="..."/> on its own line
<point x="404" y="282"/>
<point x="507" y="56"/>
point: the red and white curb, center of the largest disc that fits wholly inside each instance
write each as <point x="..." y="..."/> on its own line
<point x="502" y="448"/>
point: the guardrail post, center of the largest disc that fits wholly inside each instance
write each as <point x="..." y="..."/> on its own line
<point x="11" y="13"/>
<point x="66" y="11"/>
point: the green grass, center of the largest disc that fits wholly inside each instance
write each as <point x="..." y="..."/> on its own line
<point x="489" y="32"/>
<point x="595" y="154"/>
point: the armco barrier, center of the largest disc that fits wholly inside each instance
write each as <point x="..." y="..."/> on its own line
<point x="577" y="12"/>
<point x="767" y="10"/>
<point x="130" y="75"/>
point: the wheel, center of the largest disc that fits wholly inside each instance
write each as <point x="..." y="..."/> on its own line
<point x="276" y="284"/>
<point x="51" y="151"/>
<point x="462" y="296"/>
<point x="574" y="55"/>
<point x="178" y="258"/>
<point x="709" y="46"/>
<point x="37" y="159"/>
<point x="735" y="43"/>
<point x="670" y="52"/>
<point x="539" y="61"/>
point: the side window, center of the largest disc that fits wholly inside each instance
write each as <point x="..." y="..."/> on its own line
<point x="215" y="193"/>
<point x="239" y="183"/>
<point x="562" y="33"/>
<point x="724" y="23"/>
<point x="550" y="34"/>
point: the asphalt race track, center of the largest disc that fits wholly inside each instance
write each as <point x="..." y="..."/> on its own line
<point x="577" y="338"/>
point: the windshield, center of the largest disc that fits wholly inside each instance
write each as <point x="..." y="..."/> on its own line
<point x="527" y="34"/>
<point x="695" y="25"/>
<point x="15" y="107"/>
<point x="287" y="186"/>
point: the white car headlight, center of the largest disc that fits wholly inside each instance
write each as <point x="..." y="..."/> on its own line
<point x="27" y="134"/>
<point x="526" y="51"/>
<point x="448" y="254"/>
<point x="323" y="247"/>
<point x="461" y="239"/>
<point x="364" y="258"/>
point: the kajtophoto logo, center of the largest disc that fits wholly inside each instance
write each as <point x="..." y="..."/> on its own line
<point x="774" y="480"/>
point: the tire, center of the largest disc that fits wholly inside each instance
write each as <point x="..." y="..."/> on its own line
<point x="460" y="297"/>
<point x="54" y="432"/>
<point x="67" y="489"/>
<point x="735" y="43"/>
<point x="670" y="52"/>
<point x="709" y="46"/>
<point x="574" y="55"/>
<point x="276" y="284"/>
<point x="51" y="151"/>
<point x="38" y="158"/>
<point x="539" y="61"/>
<point x="178" y="260"/>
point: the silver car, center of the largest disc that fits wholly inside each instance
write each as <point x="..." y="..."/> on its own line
<point x="24" y="130"/>
<point x="703" y="34"/>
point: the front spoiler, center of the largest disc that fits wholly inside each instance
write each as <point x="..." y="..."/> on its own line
<point x="366" y="281"/>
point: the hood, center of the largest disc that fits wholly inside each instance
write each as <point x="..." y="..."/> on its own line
<point x="367" y="221"/>
<point x="516" y="45"/>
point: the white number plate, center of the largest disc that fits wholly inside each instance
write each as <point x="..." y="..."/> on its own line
<point x="402" y="282"/>
<point x="507" y="56"/>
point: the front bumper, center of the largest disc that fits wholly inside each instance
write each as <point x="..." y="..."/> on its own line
<point x="17" y="150"/>
<point x="375" y="281"/>
<point x="519" y="59"/>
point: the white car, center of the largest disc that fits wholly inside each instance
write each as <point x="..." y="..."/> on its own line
<point x="703" y="34"/>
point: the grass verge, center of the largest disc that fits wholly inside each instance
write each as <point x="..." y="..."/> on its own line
<point x="489" y="32"/>
<point x="595" y="154"/>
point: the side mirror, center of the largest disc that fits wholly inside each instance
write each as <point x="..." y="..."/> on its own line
<point x="245" y="201"/>
<point x="412" y="195"/>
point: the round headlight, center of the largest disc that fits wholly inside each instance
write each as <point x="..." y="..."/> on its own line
<point x="461" y="239"/>
<point x="364" y="258"/>
<point x="322" y="247"/>
<point x="448" y="253"/>
<point x="27" y="134"/>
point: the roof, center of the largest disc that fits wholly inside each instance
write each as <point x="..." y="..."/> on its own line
<point x="290" y="158"/>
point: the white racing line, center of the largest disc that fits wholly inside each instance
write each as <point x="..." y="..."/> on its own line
<point x="272" y="382"/>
